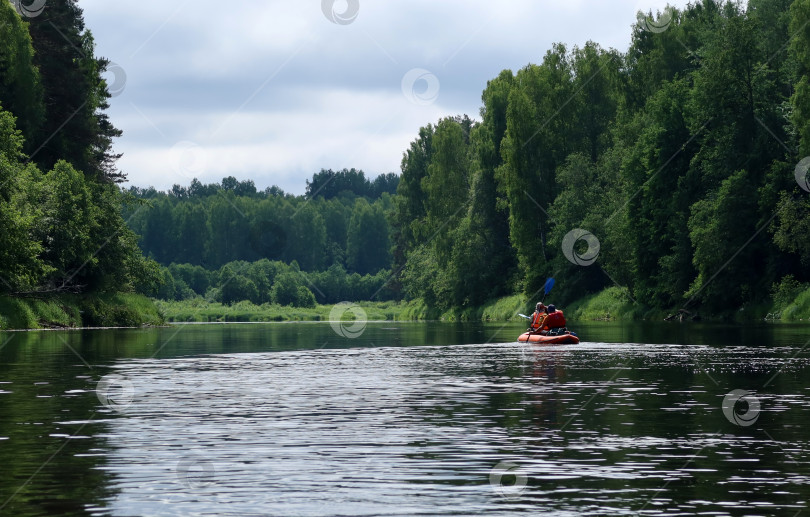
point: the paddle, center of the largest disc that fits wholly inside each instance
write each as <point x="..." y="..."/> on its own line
<point x="549" y="284"/>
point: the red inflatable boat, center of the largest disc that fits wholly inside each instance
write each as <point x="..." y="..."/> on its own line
<point x="565" y="338"/>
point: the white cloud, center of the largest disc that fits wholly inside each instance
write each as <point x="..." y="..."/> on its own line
<point x="311" y="94"/>
<point x="338" y="129"/>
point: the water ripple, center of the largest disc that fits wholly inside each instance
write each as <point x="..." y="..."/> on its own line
<point x="597" y="429"/>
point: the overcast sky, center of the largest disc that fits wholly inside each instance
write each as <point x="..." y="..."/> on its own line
<point x="274" y="91"/>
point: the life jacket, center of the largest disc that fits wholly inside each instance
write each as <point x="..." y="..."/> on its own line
<point x="554" y="320"/>
<point x="537" y="319"/>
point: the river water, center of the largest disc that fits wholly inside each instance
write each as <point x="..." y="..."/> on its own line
<point x="405" y="419"/>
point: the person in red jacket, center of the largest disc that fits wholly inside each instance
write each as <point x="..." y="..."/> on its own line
<point x="554" y="319"/>
<point x="537" y="317"/>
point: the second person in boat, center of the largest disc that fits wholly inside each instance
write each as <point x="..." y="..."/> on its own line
<point x="555" y="319"/>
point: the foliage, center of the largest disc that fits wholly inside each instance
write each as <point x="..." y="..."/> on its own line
<point x="20" y="85"/>
<point x="798" y="309"/>
<point x="613" y="303"/>
<point x="266" y="281"/>
<point x="73" y="311"/>
<point x="786" y="290"/>
<point x="329" y="184"/>
<point x="211" y="225"/>
<point x="198" y="310"/>
<point x="76" y="128"/>
<point x="676" y="156"/>
<point x="61" y="229"/>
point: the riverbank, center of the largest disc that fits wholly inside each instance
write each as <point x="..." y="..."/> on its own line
<point x="616" y="304"/>
<point x="75" y="311"/>
<point x="131" y="310"/>
<point x="611" y="304"/>
<point x="199" y="311"/>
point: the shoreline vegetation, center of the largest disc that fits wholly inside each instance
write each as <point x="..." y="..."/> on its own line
<point x="611" y="304"/>
<point x="73" y="311"/>
<point x="133" y="310"/>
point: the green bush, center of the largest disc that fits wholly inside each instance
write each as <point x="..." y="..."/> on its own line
<point x="799" y="308"/>
<point x="786" y="291"/>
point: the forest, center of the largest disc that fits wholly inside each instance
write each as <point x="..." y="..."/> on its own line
<point x="61" y="224"/>
<point x="673" y="173"/>
<point x="228" y="242"/>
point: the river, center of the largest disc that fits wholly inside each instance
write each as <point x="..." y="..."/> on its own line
<point x="405" y="419"/>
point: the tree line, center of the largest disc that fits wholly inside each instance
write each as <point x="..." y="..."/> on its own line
<point x="212" y="225"/>
<point x="227" y="242"/>
<point x="270" y="282"/>
<point x="61" y="228"/>
<point x="667" y="169"/>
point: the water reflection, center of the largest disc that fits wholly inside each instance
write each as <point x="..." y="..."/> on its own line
<point x="292" y="419"/>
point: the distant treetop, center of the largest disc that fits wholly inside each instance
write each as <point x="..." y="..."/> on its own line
<point x="328" y="184"/>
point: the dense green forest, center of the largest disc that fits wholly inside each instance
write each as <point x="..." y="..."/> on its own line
<point x="677" y="158"/>
<point x="61" y="228"/>
<point x="228" y="242"/>
<point x="672" y="174"/>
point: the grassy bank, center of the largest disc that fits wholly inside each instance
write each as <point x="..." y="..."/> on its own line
<point x="500" y="309"/>
<point x="71" y="311"/>
<point x="611" y="304"/>
<point x="614" y="303"/>
<point x="200" y="311"/>
<point x="797" y="309"/>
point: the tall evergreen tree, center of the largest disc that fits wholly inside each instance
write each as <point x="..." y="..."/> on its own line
<point x="76" y="128"/>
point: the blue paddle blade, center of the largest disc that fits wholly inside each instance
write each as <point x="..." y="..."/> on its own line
<point x="549" y="285"/>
